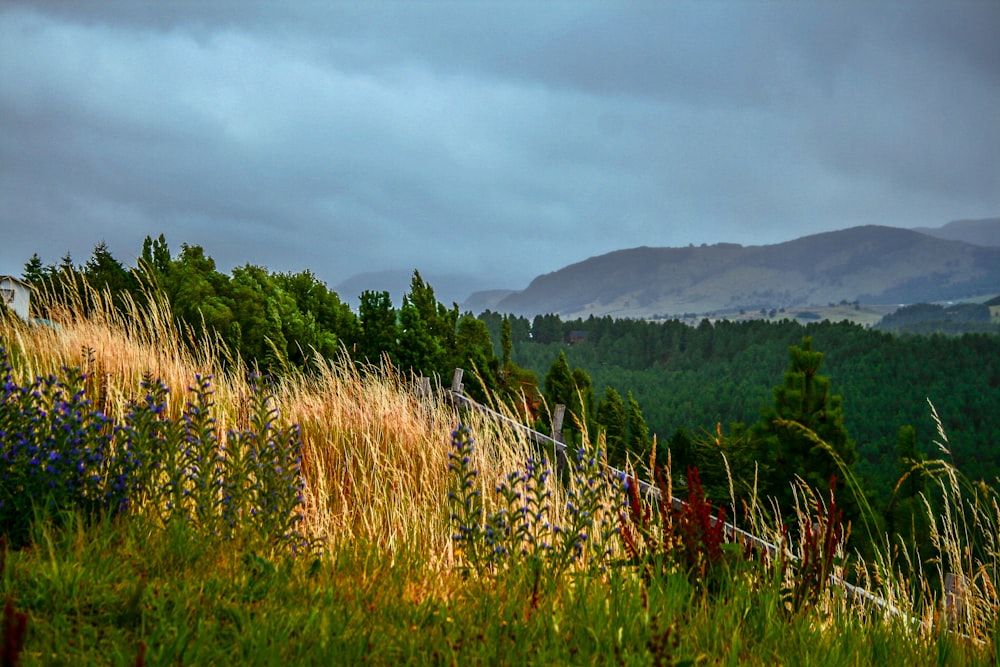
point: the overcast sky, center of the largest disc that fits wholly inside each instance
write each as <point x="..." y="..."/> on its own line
<point x="495" y="140"/>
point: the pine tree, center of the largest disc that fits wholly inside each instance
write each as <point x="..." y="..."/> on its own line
<point x="803" y="433"/>
<point x="639" y="442"/>
<point x="378" y="327"/>
<point x="572" y="389"/>
<point x="106" y="274"/>
<point x="612" y="421"/>
<point x="682" y="453"/>
<point x="419" y="350"/>
<point x="906" y="516"/>
<point x="34" y="272"/>
<point x="506" y="344"/>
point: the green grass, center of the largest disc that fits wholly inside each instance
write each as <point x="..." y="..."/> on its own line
<point x="112" y="592"/>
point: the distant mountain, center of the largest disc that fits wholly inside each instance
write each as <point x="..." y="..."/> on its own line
<point x="872" y="264"/>
<point x="984" y="232"/>
<point x="485" y="300"/>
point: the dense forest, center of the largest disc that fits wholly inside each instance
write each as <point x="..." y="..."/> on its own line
<point x="718" y="387"/>
<point x="692" y="379"/>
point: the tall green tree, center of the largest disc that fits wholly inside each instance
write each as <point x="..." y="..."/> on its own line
<point x="612" y="421"/>
<point x="419" y="350"/>
<point x="268" y="326"/>
<point x="682" y="452"/>
<point x="906" y="516"/>
<point x="570" y="388"/>
<point x="332" y="322"/>
<point x="441" y="322"/>
<point x="640" y="444"/>
<point x="34" y="271"/>
<point x="153" y="266"/>
<point x="474" y="350"/>
<point x="107" y="275"/>
<point x="197" y="291"/>
<point x="803" y="433"/>
<point x="506" y="344"/>
<point x="379" y="331"/>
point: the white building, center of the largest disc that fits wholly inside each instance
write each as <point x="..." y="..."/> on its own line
<point x="16" y="295"/>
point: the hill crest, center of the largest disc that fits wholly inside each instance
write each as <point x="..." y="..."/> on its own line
<point x="873" y="264"/>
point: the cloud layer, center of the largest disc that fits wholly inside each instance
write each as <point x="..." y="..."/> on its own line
<point x="501" y="140"/>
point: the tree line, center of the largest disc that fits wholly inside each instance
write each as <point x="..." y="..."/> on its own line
<point x="286" y="320"/>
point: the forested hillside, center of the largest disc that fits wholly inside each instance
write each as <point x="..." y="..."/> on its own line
<point x="694" y="378"/>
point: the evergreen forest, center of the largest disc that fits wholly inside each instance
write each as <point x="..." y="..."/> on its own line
<point x="692" y="381"/>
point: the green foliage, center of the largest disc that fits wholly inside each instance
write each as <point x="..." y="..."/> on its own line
<point x="125" y="594"/>
<point x="378" y="327"/>
<point x="729" y="462"/>
<point x="34" y="272"/>
<point x="418" y="349"/>
<point x="59" y="454"/>
<point x="612" y="421"/>
<point x="786" y="436"/>
<point x="522" y="528"/>
<point x="474" y="349"/>
<point x="682" y="450"/>
<point x="106" y="274"/>
<point x="639" y="440"/>
<point x="885" y="380"/>
<point x="279" y="322"/>
<point x="574" y="390"/>
<point x="197" y="292"/>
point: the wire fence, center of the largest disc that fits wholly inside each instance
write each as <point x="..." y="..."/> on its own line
<point x="733" y="533"/>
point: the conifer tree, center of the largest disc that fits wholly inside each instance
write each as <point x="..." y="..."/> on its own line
<point x="379" y="332"/>
<point x="803" y="433"/>
<point x="639" y="442"/>
<point x="612" y="421"/>
<point x="34" y="272"/>
<point x="418" y="350"/>
<point x="572" y="389"/>
<point x="506" y="344"/>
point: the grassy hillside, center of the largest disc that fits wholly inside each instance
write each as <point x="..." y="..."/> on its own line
<point x="419" y="551"/>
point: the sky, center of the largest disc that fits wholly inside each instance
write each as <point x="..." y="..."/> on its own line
<point x="492" y="142"/>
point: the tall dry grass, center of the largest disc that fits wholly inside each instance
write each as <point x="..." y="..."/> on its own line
<point x="375" y="451"/>
<point x="955" y="590"/>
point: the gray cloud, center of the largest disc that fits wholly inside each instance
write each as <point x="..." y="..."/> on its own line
<point x="503" y="140"/>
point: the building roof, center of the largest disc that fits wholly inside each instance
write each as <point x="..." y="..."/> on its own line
<point x="14" y="279"/>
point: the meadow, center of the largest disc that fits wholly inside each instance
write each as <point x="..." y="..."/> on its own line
<point x="164" y="504"/>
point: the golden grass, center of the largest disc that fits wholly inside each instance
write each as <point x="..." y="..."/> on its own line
<point x="375" y="452"/>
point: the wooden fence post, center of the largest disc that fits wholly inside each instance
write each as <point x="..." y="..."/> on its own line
<point x="954" y="592"/>
<point x="557" y="422"/>
<point x="424" y="387"/>
<point x="557" y="434"/>
<point x="456" y="381"/>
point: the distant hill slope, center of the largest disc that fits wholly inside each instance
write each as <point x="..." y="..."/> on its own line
<point x="978" y="232"/>
<point x="872" y="264"/>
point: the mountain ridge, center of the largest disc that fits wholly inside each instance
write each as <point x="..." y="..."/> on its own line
<point x="871" y="263"/>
